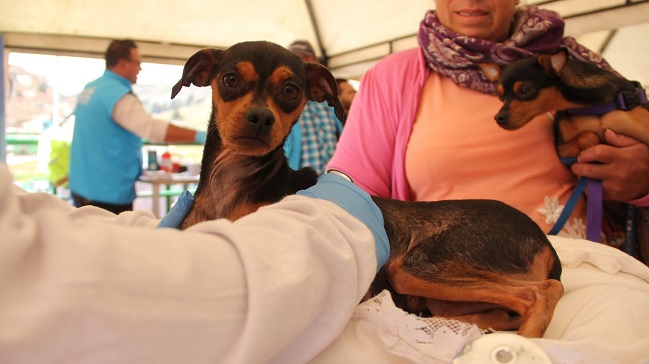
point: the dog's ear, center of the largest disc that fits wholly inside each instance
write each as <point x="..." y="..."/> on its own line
<point x="490" y="70"/>
<point x="323" y="87"/>
<point x="198" y="69"/>
<point x="553" y="63"/>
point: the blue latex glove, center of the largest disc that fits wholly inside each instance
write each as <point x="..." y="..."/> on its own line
<point x="353" y="199"/>
<point x="200" y="137"/>
<point x="178" y="212"/>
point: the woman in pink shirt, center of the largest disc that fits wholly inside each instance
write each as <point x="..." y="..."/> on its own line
<point x="422" y="128"/>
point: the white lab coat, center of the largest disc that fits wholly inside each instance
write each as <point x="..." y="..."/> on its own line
<point x="85" y="286"/>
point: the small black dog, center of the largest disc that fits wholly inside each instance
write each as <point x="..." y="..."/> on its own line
<point x="555" y="82"/>
<point x="258" y="92"/>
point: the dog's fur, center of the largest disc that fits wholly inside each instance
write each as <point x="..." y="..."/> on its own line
<point x="486" y="260"/>
<point x="258" y="92"/>
<point x="555" y="82"/>
<point x="477" y="261"/>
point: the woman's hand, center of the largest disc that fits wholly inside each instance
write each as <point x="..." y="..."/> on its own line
<point x="623" y="166"/>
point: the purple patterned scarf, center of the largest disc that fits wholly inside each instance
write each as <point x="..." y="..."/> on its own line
<point x="533" y="31"/>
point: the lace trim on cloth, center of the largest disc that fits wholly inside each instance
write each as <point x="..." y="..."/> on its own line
<point x="420" y="339"/>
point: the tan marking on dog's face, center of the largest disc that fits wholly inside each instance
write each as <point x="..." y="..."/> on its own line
<point x="247" y="71"/>
<point x="281" y="85"/>
<point x="501" y="91"/>
<point x="231" y="121"/>
<point x="521" y="112"/>
<point x="517" y="87"/>
<point x="280" y="74"/>
<point x="232" y="115"/>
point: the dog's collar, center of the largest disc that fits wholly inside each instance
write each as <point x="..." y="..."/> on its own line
<point x="340" y="173"/>
<point x="624" y="100"/>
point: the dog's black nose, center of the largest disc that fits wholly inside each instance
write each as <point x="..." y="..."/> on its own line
<point x="260" y="117"/>
<point x="503" y="119"/>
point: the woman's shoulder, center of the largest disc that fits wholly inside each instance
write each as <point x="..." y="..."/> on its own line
<point x="399" y="67"/>
<point x="398" y="74"/>
<point x="406" y="61"/>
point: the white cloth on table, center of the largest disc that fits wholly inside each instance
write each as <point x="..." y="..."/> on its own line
<point x="603" y="317"/>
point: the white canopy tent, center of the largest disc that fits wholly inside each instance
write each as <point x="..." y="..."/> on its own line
<point x="350" y="35"/>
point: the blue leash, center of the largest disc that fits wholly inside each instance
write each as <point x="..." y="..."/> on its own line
<point x="594" y="209"/>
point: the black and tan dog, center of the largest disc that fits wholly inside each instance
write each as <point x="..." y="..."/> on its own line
<point x="590" y="100"/>
<point x="258" y="92"/>
<point x="478" y="261"/>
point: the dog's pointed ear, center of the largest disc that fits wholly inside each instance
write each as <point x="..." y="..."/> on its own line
<point x="490" y="70"/>
<point x="553" y="63"/>
<point x="323" y="87"/>
<point x="198" y="69"/>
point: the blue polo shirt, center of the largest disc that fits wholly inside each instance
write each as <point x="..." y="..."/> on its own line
<point x="105" y="159"/>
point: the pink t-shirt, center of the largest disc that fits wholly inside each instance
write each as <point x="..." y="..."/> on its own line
<point x="457" y="151"/>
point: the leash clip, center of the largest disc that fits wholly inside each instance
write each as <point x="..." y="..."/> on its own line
<point x="627" y="100"/>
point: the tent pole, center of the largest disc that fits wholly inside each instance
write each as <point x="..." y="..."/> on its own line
<point x="316" y="29"/>
<point x="3" y="99"/>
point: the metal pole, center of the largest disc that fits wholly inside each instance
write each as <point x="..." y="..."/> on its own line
<point x="3" y="99"/>
<point x="316" y="30"/>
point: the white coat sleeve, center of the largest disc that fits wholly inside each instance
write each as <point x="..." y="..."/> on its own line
<point x="81" y="285"/>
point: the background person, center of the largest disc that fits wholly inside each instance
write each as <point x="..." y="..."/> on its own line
<point x="110" y="122"/>
<point x="346" y="93"/>
<point x="313" y="139"/>
<point x="422" y="126"/>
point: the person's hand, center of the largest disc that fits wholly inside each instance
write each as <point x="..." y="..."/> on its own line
<point x="178" y="211"/>
<point x="358" y="203"/>
<point x="623" y="166"/>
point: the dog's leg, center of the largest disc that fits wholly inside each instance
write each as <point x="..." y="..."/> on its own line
<point x="634" y="123"/>
<point x="533" y="300"/>
<point x="574" y="146"/>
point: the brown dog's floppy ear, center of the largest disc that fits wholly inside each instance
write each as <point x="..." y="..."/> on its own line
<point x="198" y="69"/>
<point x="490" y="70"/>
<point x="553" y="63"/>
<point x="323" y="87"/>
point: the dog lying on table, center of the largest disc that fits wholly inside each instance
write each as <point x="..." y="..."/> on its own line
<point x="478" y="261"/>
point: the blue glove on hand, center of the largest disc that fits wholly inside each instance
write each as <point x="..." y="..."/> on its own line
<point x="178" y="212"/>
<point x="358" y="203"/>
<point x="200" y="137"/>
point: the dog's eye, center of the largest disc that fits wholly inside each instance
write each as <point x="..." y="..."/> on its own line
<point x="291" y="92"/>
<point x="231" y="80"/>
<point x="525" y="90"/>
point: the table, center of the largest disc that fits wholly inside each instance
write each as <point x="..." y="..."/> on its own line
<point x="164" y="178"/>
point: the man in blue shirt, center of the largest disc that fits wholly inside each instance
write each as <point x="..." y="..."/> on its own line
<point x="110" y="122"/>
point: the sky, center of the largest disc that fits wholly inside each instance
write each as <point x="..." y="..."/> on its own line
<point x="69" y="74"/>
